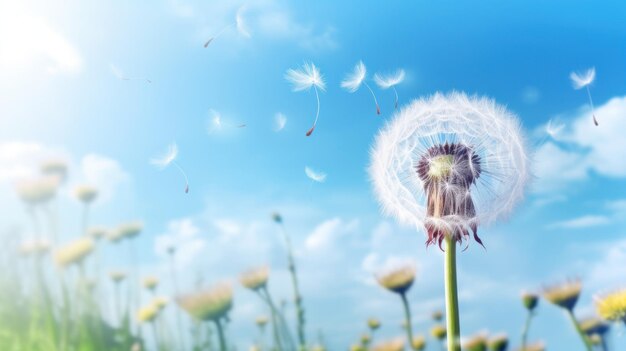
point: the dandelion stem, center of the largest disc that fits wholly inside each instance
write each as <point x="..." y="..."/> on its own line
<point x="407" y="317"/>
<point x="220" y="335"/>
<point x="374" y="96"/>
<point x="452" y="301"/>
<point x="184" y="175"/>
<point x="317" y="114"/>
<point x="526" y="328"/>
<point x="582" y="334"/>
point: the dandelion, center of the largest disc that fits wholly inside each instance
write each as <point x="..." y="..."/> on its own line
<point x="498" y="343"/>
<point x="37" y="247"/>
<point x="396" y="344"/>
<point x="419" y="343"/>
<point x="447" y="164"/>
<point x="390" y="81"/>
<point x="170" y="158"/>
<point x="55" y="168"/>
<point x="121" y="76"/>
<point x="160" y="302"/>
<point x="239" y="23"/>
<point x="74" y="252"/>
<point x="261" y="321"/>
<point x="596" y="329"/>
<point x="37" y="191"/>
<point x="151" y="283"/>
<point x="353" y="82"/>
<point x="583" y="80"/>
<point x="373" y="324"/>
<point x="212" y="305"/>
<point x="566" y="296"/>
<point x="147" y="314"/>
<point x="117" y="276"/>
<point x="129" y="230"/>
<point x="553" y="128"/>
<point x="255" y="279"/>
<point x="280" y="121"/>
<point x="538" y="346"/>
<point x="97" y="233"/>
<point x="399" y="280"/>
<point x="438" y="332"/>
<point x="530" y="301"/>
<point x="612" y="306"/>
<point x="476" y="343"/>
<point x="306" y="78"/>
<point x="216" y="122"/>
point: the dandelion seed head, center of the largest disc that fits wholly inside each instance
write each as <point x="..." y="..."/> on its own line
<point x="612" y="306"/>
<point x="37" y="247"/>
<point x="166" y="159"/>
<point x="397" y="279"/>
<point x="210" y="304"/>
<point x="438" y="332"/>
<point x="74" y="252"/>
<point x="255" y="278"/>
<point x="314" y="175"/>
<point x="390" y="80"/>
<point x="306" y="77"/>
<point x="583" y="79"/>
<point x="564" y="295"/>
<point x="468" y="151"/>
<point x="353" y="81"/>
<point x="86" y="193"/>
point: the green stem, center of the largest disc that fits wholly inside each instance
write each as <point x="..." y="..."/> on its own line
<point x="156" y="335"/>
<point x="582" y="334"/>
<point x="407" y="319"/>
<point x="296" y="291"/>
<point x="265" y="295"/>
<point x="118" y="299"/>
<point x="452" y="300"/>
<point x="525" y="330"/>
<point x="178" y="320"/>
<point x="220" y="334"/>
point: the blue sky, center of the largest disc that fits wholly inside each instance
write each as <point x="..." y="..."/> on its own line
<point x="59" y="98"/>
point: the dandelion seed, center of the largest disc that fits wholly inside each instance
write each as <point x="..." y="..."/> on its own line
<point x="280" y="120"/>
<point x="390" y="81"/>
<point x="239" y="24"/>
<point x="314" y="175"/>
<point x="119" y="75"/>
<point x="306" y="78"/>
<point x="216" y="122"/>
<point x="553" y="128"/>
<point x="583" y="80"/>
<point x="353" y="82"/>
<point x="170" y="158"/>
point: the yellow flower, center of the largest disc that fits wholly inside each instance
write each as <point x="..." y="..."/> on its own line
<point x="499" y="343"/>
<point x="438" y="332"/>
<point x="390" y="345"/>
<point x="86" y="193"/>
<point x="117" y="276"/>
<point x="612" y="307"/>
<point x="564" y="295"/>
<point x="73" y="252"/>
<point x="419" y="343"/>
<point x="210" y="304"/>
<point x="255" y="278"/>
<point x="147" y="314"/>
<point x="37" y="191"/>
<point x="476" y="343"/>
<point x="150" y="283"/>
<point x="373" y="323"/>
<point x="398" y="280"/>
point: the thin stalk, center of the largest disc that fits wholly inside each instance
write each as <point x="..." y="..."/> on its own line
<point x="525" y="330"/>
<point x="452" y="300"/>
<point x="296" y="290"/>
<point x="156" y="335"/>
<point x="265" y="296"/>
<point x="407" y="319"/>
<point x="118" y="299"/>
<point x="580" y="332"/>
<point x="176" y="291"/>
<point x="220" y="335"/>
<point x="374" y="96"/>
<point x="396" y="93"/>
<point x="85" y="217"/>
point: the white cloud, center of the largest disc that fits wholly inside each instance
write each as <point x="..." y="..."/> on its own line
<point x="582" y="222"/>
<point x="555" y="167"/>
<point x="181" y="234"/>
<point x="279" y="24"/>
<point x="19" y="160"/>
<point x="104" y="173"/>
<point x="27" y="40"/>
<point x="327" y="232"/>
<point x="608" y="272"/>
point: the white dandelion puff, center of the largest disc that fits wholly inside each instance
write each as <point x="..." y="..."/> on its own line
<point x="121" y="76"/>
<point x="239" y="24"/>
<point x="216" y="122"/>
<point x="583" y="80"/>
<point x="553" y="128"/>
<point x="169" y="158"/>
<point x="306" y="78"/>
<point x="280" y="121"/>
<point x="390" y="81"/>
<point x="314" y="175"/>
<point x="448" y="163"/>
<point x="353" y="82"/>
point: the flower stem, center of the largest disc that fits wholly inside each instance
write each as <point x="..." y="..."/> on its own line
<point x="582" y="334"/>
<point x="407" y="319"/>
<point x="296" y="290"/>
<point x="525" y="330"/>
<point x="220" y="335"/>
<point x="452" y="300"/>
